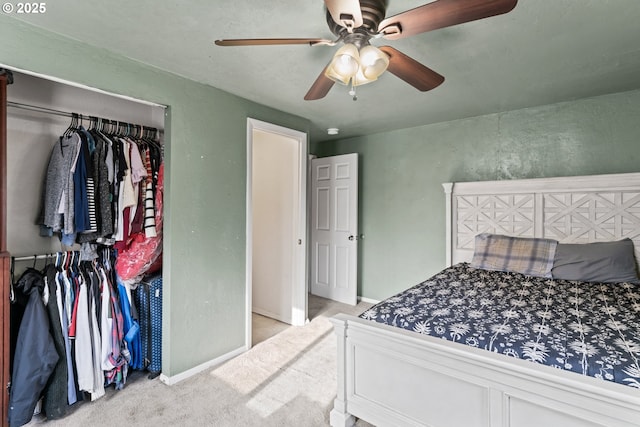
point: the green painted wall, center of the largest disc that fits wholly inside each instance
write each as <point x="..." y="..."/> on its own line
<point x="204" y="258"/>
<point x="401" y="197"/>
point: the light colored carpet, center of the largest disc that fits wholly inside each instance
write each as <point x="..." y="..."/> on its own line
<point x="287" y="380"/>
<point x="263" y="328"/>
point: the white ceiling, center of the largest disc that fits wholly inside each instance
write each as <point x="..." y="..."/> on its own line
<point x="544" y="51"/>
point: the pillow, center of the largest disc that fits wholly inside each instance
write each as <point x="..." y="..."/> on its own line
<point x="530" y="256"/>
<point x="608" y="262"/>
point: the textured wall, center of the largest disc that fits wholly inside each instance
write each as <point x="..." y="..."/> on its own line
<point x="401" y="198"/>
<point x="204" y="247"/>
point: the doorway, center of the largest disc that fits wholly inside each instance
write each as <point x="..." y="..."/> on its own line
<point x="276" y="269"/>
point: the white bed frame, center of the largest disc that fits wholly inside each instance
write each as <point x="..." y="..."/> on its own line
<point x="391" y="377"/>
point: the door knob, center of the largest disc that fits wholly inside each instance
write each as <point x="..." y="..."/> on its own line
<point x="352" y="237"/>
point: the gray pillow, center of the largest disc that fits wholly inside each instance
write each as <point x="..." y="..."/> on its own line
<point x="525" y="255"/>
<point x="607" y="262"/>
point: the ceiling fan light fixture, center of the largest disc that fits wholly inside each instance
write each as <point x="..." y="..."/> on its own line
<point x="356" y="22"/>
<point x="362" y="79"/>
<point x="373" y="62"/>
<point x="335" y="76"/>
<point x="345" y="64"/>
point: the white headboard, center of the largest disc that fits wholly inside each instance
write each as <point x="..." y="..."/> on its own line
<point x="576" y="209"/>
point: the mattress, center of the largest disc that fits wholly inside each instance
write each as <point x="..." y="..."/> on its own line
<point x="592" y="329"/>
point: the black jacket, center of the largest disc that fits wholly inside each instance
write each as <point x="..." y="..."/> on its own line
<point x="35" y="355"/>
<point x="55" y="400"/>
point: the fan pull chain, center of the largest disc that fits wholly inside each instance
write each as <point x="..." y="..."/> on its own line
<point x="352" y="92"/>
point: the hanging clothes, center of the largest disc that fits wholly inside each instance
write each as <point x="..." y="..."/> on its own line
<point x="58" y="185"/>
<point x="131" y="328"/>
<point x="81" y="203"/>
<point x="64" y="295"/>
<point x="149" y="221"/>
<point x="144" y="254"/>
<point x="100" y="187"/>
<point x="55" y="400"/>
<point x="102" y="191"/>
<point x="87" y="349"/>
<point x="35" y="356"/>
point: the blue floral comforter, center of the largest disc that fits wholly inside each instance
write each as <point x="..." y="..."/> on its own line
<point x="589" y="328"/>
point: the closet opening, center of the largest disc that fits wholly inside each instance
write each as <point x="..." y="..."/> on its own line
<point x="73" y="230"/>
<point x="276" y="229"/>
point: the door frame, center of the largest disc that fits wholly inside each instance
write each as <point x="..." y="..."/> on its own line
<point x="299" y="291"/>
<point x="5" y="279"/>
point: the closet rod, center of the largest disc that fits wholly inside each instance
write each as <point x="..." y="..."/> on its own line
<point x="52" y="111"/>
<point x="34" y="257"/>
<point x="38" y="109"/>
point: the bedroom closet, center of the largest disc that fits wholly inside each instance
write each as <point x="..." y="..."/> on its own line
<point x="81" y="183"/>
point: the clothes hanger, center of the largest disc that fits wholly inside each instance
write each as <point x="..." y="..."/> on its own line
<point x="12" y="296"/>
<point x="150" y="137"/>
<point x="72" y="125"/>
<point x="137" y="137"/>
<point x="102" y="126"/>
<point x="70" y="263"/>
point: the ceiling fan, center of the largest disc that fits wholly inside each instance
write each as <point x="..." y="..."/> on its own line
<point x="356" y="22"/>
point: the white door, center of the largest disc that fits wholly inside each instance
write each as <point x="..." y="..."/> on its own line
<point x="334" y="228"/>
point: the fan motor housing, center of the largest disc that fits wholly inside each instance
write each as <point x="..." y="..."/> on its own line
<point x="373" y="12"/>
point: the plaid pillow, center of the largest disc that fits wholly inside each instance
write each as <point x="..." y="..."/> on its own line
<point x="530" y="256"/>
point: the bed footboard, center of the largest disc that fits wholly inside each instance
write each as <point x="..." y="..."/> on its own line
<point x="392" y="377"/>
<point x="339" y="415"/>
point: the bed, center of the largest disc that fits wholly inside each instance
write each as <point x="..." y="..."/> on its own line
<point x="390" y="376"/>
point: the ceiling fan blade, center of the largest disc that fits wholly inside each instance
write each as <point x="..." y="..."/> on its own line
<point x="440" y="14"/>
<point x="411" y="71"/>
<point x="264" y="42"/>
<point x="320" y="87"/>
<point x="346" y="13"/>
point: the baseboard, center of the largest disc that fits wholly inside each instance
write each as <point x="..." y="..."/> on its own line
<point x="275" y="316"/>
<point x="174" y="379"/>
<point x="369" y="300"/>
